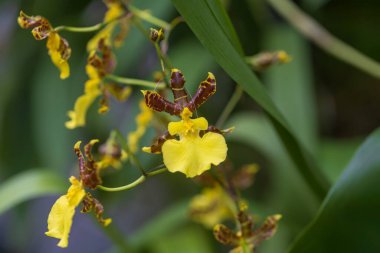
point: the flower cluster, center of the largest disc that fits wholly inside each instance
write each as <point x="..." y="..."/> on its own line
<point x="116" y="15"/>
<point x="58" y="48"/>
<point x="189" y="146"/>
<point x="62" y="212"/>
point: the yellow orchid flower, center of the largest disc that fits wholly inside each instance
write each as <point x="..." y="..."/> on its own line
<point x="58" y="48"/>
<point x="62" y="212"/>
<point x="61" y="215"/>
<point x="192" y="154"/>
<point x="211" y="207"/>
<point x="115" y="10"/>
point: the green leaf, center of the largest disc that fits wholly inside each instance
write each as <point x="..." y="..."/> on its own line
<point x="349" y="219"/>
<point x="206" y="25"/>
<point x="291" y="84"/>
<point x="335" y="154"/>
<point x="28" y="185"/>
<point x="287" y="191"/>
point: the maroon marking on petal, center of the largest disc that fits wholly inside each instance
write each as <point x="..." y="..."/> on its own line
<point x="177" y="83"/>
<point x="157" y="145"/>
<point x="158" y="103"/>
<point x="206" y="89"/>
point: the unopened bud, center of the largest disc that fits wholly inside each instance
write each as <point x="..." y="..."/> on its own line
<point x="264" y="60"/>
<point x="156" y="35"/>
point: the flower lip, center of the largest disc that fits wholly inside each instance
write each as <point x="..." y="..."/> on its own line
<point x="192" y="154"/>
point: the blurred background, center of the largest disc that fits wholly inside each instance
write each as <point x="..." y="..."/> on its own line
<point x="330" y="105"/>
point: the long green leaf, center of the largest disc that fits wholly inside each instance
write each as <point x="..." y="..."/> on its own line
<point x="203" y="22"/>
<point x="349" y="219"/>
<point x="28" y="185"/>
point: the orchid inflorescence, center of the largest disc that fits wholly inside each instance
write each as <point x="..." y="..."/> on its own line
<point x="188" y="145"/>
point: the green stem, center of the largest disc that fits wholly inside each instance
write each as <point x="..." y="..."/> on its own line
<point x="230" y="106"/>
<point x="163" y="60"/>
<point x="134" y="183"/>
<point x="325" y="40"/>
<point x="79" y="29"/>
<point x="136" y="82"/>
<point x="145" y="15"/>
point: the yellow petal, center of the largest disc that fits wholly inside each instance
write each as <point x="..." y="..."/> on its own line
<point x="60" y="220"/>
<point x="105" y="34"/>
<point x="75" y="193"/>
<point x="189" y="126"/>
<point x="115" y="10"/>
<point x="142" y="121"/>
<point x="62" y="212"/>
<point x="53" y="45"/>
<point x="92" y="72"/>
<point x="78" y="115"/>
<point x="193" y="156"/>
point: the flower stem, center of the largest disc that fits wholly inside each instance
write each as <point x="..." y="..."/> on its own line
<point x="88" y="28"/>
<point x="145" y="15"/>
<point x="79" y="29"/>
<point x="230" y="106"/>
<point x="307" y="26"/>
<point x="162" y="58"/>
<point x="138" y="181"/>
<point x="136" y="82"/>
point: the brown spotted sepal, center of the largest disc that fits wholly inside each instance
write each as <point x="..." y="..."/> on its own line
<point x="158" y="103"/>
<point x="246" y="236"/>
<point x="92" y="204"/>
<point x="102" y="59"/>
<point x="246" y="224"/>
<point x="181" y="99"/>
<point x="225" y="235"/>
<point x="267" y="229"/>
<point x="206" y="89"/>
<point x="214" y="129"/>
<point x="40" y="26"/>
<point x="177" y="85"/>
<point x="155" y="148"/>
<point x="88" y="169"/>
<point x="245" y="176"/>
